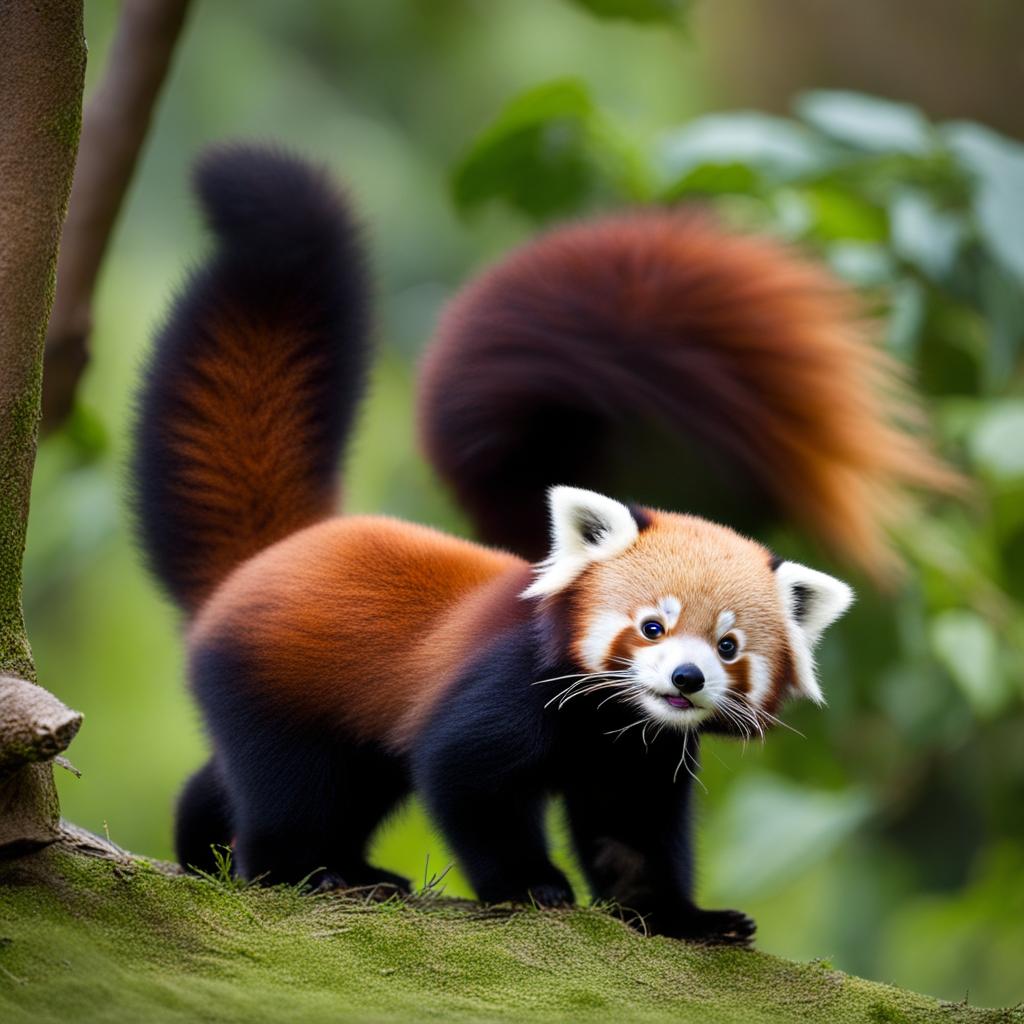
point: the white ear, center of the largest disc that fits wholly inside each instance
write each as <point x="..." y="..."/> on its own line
<point x="585" y="527"/>
<point x="811" y="601"/>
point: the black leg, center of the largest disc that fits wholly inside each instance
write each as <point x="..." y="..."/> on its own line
<point x="481" y="766"/>
<point x="630" y="821"/>
<point x="305" y="800"/>
<point x="310" y="808"/>
<point x="498" y="837"/>
<point x="202" y="819"/>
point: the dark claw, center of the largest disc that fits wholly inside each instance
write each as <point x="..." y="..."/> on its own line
<point x="326" y="881"/>
<point x="551" y="895"/>
<point x="376" y="883"/>
<point x="719" y="928"/>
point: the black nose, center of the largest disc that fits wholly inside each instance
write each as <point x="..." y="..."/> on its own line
<point x="688" y="678"/>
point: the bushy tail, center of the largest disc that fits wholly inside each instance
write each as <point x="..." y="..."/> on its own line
<point x="542" y="368"/>
<point x="255" y="378"/>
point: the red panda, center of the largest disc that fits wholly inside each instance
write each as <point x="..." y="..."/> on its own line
<point x="343" y="662"/>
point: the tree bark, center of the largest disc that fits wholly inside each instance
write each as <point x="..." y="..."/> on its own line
<point x="34" y="728"/>
<point x="34" y="725"/>
<point x="42" y="71"/>
<point x="114" y="128"/>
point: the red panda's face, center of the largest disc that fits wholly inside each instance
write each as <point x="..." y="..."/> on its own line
<point x="686" y="620"/>
<point x="691" y="614"/>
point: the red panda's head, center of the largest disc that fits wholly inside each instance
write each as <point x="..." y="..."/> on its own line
<point x="693" y="623"/>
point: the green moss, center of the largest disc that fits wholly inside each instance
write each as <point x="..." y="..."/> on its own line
<point x="66" y="124"/>
<point x="19" y="425"/>
<point x="87" y="940"/>
<point x="880" y="1014"/>
<point x="16" y="457"/>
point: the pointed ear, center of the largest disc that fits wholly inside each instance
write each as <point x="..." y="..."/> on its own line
<point x="585" y="527"/>
<point x="811" y="601"/>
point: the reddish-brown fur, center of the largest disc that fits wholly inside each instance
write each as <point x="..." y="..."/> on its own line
<point x="739" y="675"/>
<point x="365" y="619"/>
<point x="732" y="340"/>
<point x="252" y="385"/>
<point x="240" y="440"/>
<point x="368" y="620"/>
<point x="781" y="681"/>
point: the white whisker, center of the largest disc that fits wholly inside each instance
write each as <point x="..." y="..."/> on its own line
<point x="741" y="714"/>
<point x="577" y="675"/>
<point x="577" y="682"/>
<point x="730" y="714"/>
<point x="683" y="764"/>
<point x="592" y="688"/>
<point x="778" y="721"/>
<point x="618" y="694"/>
<point x="555" y="679"/>
<point x="618" y="732"/>
<point x="718" y="758"/>
<point x="643" y="735"/>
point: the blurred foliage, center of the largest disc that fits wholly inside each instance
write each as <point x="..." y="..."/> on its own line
<point x="889" y="836"/>
<point x="637" y="10"/>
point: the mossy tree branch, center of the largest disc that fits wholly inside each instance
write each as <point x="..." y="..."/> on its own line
<point x="137" y="944"/>
<point x="42" y="73"/>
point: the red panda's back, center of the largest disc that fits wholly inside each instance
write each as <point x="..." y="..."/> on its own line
<point x="364" y="619"/>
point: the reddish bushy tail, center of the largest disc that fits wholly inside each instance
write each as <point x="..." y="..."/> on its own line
<point x="255" y="378"/>
<point x="542" y="367"/>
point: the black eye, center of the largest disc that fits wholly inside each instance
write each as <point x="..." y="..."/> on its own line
<point x="652" y="629"/>
<point x="727" y="648"/>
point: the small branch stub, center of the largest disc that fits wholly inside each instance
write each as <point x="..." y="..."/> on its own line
<point x="34" y="728"/>
<point x="34" y="725"/>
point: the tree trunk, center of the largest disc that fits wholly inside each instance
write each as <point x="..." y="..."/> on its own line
<point x="42" y="72"/>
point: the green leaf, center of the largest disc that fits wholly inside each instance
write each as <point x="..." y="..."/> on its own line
<point x="861" y="263"/>
<point x="771" y="831"/>
<point x="997" y="440"/>
<point x="966" y="645"/>
<point x="867" y="123"/>
<point x="547" y="153"/>
<point x="792" y="211"/>
<point x="1002" y="301"/>
<point x="637" y="10"/>
<point x="714" y="180"/>
<point x="774" y="148"/>
<point x="839" y="213"/>
<point x="925" y="236"/>
<point x="997" y="166"/>
<point x="906" y="319"/>
<point x="533" y="155"/>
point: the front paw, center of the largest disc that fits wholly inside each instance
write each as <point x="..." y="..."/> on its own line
<point x="325" y="881"/>
<point x="553" y="891"/>
<point x="551" y="894"/>
<point x="718" y="928"/>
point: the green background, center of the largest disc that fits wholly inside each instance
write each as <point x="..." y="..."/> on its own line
<point x="890" y="836"/>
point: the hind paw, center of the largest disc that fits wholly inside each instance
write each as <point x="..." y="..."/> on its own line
<point x="719" y="928"/>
